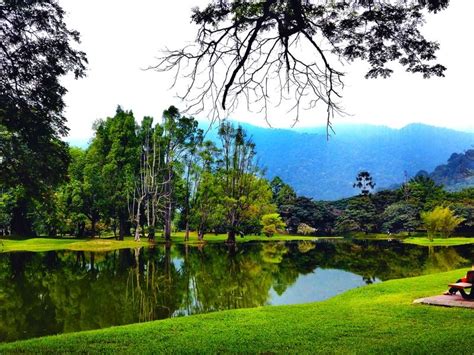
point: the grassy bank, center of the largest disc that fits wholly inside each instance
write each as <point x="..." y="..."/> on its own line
<point x="48" y="244"/>
<point x="375" y="319"/>
<point x="219" y="238"/>
<point x="424" y="241"/>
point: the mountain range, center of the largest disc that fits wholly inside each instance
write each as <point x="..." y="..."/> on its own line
<point x="325" y="169"/>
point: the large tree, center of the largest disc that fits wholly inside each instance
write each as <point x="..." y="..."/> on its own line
<point x="36" y="50"/>
<point x="253" y="51"/>
<point x="115" y="154"/>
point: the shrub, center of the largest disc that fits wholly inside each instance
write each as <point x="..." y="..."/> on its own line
<point x="272" y="223"/>
<point x="440" y="220"/>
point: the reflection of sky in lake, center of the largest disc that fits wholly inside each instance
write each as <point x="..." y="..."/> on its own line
<point x="317" y="286"/>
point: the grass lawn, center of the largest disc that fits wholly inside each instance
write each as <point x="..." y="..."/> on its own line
<point x="213" y="238"/>
<point x="424" y="241"/>
<point x="379" y="318"/>
<point x="48" y="244"/>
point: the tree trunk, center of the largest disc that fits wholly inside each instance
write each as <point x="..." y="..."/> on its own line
<point x="167" y="226"/>
<point x="200" y="234"/>
<point x="93" y="223"/>
<point x="143" y="229"/>
<point x="231" y="237"/>
<point x="186" y="234"/>
<point x="20" y="225"/>
<point x="121" y="228"/>
<point x="151" y="233"/>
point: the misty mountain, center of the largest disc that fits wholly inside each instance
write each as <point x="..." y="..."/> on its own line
<point x="457" y="173"/>
<point x="326" y="169"/>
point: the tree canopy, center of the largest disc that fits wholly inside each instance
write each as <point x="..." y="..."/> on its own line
<point x="288" y="50"/>
<point x="36" y="49"/>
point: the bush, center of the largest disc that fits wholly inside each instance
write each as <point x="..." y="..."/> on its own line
<point x="272" y="223"/>
<point x="305" y="229"/>
<point x="441" y="220"/>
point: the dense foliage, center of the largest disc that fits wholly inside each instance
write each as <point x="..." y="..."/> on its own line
<point x="142" y="178"/>
<point x="405" y="209"/>
<point x="146" y="177"/>
<point x="36" y="50"/>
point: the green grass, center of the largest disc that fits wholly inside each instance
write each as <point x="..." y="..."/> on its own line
<point x="48" y="244"/>
<point x="424" y="241"/>
<point x="379" y="318"/>
<point x="213" y="238"/>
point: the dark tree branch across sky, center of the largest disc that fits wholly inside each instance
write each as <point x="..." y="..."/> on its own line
<point x="265" y="53"/>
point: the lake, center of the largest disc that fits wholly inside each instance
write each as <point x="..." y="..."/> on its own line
<point x="65" y="291"/>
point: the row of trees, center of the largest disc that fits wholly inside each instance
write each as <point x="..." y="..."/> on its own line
<point x="140" y="178"/>
<point x="418" y="204"/>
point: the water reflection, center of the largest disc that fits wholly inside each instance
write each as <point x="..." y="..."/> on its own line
<point x="56" y="292"/>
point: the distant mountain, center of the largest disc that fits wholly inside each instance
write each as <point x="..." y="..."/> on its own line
<point x="326" y="169"/>
<point x="457" y="174"/>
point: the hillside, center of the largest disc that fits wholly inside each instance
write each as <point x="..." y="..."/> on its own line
<point x="326" y="169"/>
<point x="457" y="173"/>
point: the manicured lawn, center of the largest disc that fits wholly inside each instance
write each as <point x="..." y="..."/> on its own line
<point x="424" y="241"/>
<point x="213" y="238"/>
<point x="48" y="244"/>
<point x="378" y="318"/>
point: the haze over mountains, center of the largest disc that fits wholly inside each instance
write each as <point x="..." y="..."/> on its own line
<point x="326" y="169"/>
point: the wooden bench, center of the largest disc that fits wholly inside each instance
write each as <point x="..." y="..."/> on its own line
<point x="461" y="285"/>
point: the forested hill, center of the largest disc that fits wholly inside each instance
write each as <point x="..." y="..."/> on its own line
<point x="326" y="170"/>
<point x="457" y="173"/>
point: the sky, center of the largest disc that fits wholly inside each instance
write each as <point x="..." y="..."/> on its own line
<point x="122" y="38"/>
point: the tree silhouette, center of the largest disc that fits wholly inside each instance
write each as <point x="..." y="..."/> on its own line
<point x="251" y="51"/>
<point x="364" y="182"/>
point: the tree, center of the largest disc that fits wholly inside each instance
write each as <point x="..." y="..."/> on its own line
<point x="440" y="220"/>
<point x="252" y="51"/>
<point x="400" y="216"/>
<point x="148" y="195"/>
<point x="360" y="215"/>
<point x="272" y="223"/>
<point x="245" y="195"/>
<point x="205" y="197"/>
<point x="36" y="50"/>
<point x="283" y="194"/>
<point x="114" y="153"/>
<point x="180" y="136"/>
<point x="424" y="192"/>
<point x="364" y="182"/>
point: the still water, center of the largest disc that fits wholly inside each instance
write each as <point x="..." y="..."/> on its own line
<point x="65" y="291"/>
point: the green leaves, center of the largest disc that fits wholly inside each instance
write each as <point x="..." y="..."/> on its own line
<point x="440" y="220"/>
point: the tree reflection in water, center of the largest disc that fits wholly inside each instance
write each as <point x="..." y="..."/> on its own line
<point x="57" y="292"/>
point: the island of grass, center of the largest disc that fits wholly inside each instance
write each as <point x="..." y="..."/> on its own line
<point x="418" y="238"/>
<point x="379" y="318"/>
<point x="453" y="241"/>
<point x="108" y="244"/>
